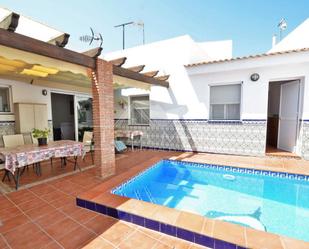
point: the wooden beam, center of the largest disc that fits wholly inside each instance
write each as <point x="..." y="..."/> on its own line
<point x="118" y="62"/>
<point x="120" y="71"/>
<point x="94" y="53"/>
<point x="163" y="77"/>
<point x="151" y="74"/>
<point x="28" y="44"/>
<point x="61" y="40"/>
<point x="10" y="22"/>
<point x="137" y="69"/>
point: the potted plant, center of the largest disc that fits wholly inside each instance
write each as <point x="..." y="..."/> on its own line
<point x="41" y="136"/>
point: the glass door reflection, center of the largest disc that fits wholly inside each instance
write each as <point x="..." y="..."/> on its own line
<point x="84" y="115"/>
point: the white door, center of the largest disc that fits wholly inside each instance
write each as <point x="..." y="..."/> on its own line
<point x="288" y="116"/>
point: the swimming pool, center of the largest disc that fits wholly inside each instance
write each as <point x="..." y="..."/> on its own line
<point x="269" y="201"/>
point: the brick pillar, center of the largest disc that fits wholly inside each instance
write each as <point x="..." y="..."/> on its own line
<point x="103" y="118"/>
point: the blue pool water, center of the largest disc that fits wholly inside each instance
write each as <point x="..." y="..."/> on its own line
<point x="273" y="202"/>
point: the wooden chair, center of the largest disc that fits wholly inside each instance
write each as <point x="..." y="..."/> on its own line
<point x="88" y="144"/>
<point x="38" y="165"/>
<point x="11" y="141"/>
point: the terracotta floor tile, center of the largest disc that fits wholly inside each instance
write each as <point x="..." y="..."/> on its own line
<point x="290" y="243"/>
<point x="61" y="228"/>
<point x="5" y="203"/>
<point x="39" y="211"/>
<point x="195" y="246"/>
<point x="83" y="215"/>
<point x="69" y="208"/>
<point x="100" y="224"/>
<point x="190" y="222"/>
<point x="3" y="243"/>
<point x="27" y="236"/>
<point x="99" y="243"/>
<point x="8" y="213"/>
<point x="117" y="233"/>
<point x="62" y="201"/>
<point x="174" y="242"/>
<point x="42" y="189"/>
<point x="50" y="218"/>
<point x="258" y="239"/>
<point x="230" y="232"/>
<point x="137" y="240"/>
<point x="160" y="245"/>
<point x="77" y="238"/>
<point x="21" y="196"/>
<point x="166" y="215"/>
<point x="53" y="245"/>
<point x="150" y="233"/>
<point x="208" y="227"/>
<point x="53" y="196"/>
<point x="27" y="205"/>
<point x="13" y="223"/>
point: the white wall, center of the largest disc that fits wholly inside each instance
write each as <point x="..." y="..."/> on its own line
<point x="170" y="56"/>
<point x="23" y="92"/>
<point x="254" y="94"/>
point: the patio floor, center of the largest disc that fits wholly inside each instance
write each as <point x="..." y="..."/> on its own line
<point x="46" y="215"/>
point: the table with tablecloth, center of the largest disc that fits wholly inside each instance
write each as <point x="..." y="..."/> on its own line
<point x="23" y="155"/>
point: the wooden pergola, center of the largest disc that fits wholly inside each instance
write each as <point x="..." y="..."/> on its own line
<point x="100" y="74"/>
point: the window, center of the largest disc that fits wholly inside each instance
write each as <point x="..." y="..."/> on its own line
<point x="139" y="110"/>
<point x="225" y="102"/>
<point x="5" y="103"/>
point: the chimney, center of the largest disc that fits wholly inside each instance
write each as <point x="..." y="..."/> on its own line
<point x="274" y="40"/>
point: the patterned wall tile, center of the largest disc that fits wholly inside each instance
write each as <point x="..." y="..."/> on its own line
<point x="243" y="138"/>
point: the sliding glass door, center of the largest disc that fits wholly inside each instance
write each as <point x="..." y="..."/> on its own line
<point x="84" y="115"/>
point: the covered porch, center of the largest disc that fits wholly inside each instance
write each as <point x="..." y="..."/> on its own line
<point x="33" y="70"/>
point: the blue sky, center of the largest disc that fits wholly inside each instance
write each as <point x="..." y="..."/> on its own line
<point x="250" y="24"/>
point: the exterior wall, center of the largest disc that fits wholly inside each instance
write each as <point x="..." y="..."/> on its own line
<point x="180" y="114"/>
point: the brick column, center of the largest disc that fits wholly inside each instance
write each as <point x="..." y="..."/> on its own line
<point x="103" y="118"/>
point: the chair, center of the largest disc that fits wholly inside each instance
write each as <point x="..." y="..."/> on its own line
<point x="88" y="144"/>
<point x="120" y="146"/>
<point x="11" y="141"/>
<point x="35" y="141"/>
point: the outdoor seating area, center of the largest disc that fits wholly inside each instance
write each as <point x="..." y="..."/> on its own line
<point x="28" y="164"/>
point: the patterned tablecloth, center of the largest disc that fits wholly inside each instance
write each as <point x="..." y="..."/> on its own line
<point x="30" y="153"/>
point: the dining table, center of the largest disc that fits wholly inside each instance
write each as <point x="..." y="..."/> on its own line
<point x="17" y="158"/>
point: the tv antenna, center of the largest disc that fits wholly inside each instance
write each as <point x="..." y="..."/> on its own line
<point x="92" y="37"/>
<point x="282" y="25"/>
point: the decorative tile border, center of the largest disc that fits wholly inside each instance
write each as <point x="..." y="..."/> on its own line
<point x="157" y="226"/>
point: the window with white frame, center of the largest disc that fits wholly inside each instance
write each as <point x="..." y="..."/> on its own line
<point x="139" y="110"/>
<point x="5" y="99"/>
<point x="225" y="102"/>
